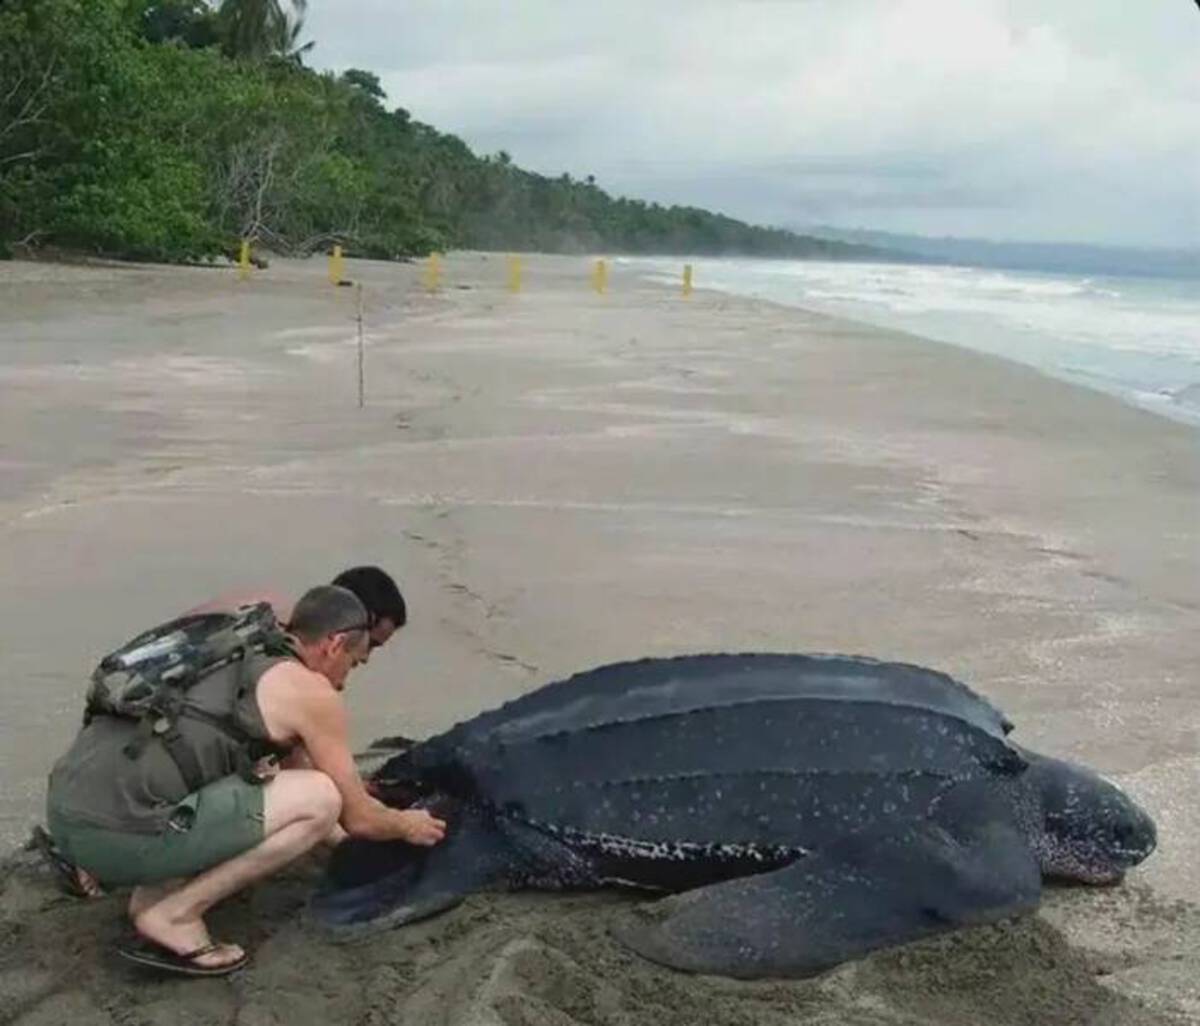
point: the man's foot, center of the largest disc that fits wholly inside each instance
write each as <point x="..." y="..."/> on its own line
<point x="186" y="942"/>
<point x="85" y="885"/>
<point x="73" y="879"/>
<point x="210" y="960"/>
<point x="143" y="897"/>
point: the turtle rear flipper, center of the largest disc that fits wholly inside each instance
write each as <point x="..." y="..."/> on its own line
<point x="868" y="891"/>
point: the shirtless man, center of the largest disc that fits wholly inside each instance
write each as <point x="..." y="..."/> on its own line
<point x="187" y="832"/>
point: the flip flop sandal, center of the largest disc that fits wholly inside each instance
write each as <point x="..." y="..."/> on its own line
<point x="154" y="956"/>
<point x="65" y="871"/>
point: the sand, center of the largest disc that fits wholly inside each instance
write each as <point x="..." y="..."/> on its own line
<point x="560" y="480"/>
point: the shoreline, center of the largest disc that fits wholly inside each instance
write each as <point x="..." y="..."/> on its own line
<point x="955" y="325"/>
<point x="560" y="480"/>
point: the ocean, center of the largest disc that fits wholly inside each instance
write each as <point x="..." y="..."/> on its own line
<point x="1133" y="337"/>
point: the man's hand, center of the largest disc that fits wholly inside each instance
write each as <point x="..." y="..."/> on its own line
<point x="420" y="828"/>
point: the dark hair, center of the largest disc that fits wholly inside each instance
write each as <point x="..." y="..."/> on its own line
<point x="326" y="610"/>
<point x="377" y="591"/>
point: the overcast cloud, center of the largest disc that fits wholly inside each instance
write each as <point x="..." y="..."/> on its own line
<point x="1021" y="119"/>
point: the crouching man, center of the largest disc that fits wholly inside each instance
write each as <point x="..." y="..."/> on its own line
<point x="184" y="818"/>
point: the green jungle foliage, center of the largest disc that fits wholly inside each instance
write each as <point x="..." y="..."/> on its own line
<point x="170" y="129"/>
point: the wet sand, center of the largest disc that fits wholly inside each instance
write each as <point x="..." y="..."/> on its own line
<point x="560" y="480"/>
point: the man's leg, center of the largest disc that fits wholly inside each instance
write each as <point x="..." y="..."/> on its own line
<point x="148" y="895"/>
<point x="300" y="809"/>
<point x="298" y="758"/>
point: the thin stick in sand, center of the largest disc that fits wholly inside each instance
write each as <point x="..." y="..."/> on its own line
<point x="361" y="355"/>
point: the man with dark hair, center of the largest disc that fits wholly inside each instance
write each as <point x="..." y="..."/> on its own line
<point x="127" y="814"/>
<point x="374" y="587"/>
<point x="378" y="592"/>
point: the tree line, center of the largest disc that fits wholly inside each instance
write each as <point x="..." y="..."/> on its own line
<point x="172" y="129"/>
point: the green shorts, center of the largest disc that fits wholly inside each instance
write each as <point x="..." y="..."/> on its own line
<point x="207" y="828"/>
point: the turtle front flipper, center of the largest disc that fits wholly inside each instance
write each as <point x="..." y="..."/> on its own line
<point x="868" y="891"/>
<point x="371" y="886"/>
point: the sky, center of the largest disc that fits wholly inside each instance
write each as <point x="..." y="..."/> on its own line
<point x="1042" y="120"/>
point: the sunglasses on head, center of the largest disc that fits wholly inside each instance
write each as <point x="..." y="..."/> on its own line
<point x="369" y="626"/>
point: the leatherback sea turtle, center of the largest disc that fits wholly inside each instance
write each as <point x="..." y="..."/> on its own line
<point x="812" y="808"/>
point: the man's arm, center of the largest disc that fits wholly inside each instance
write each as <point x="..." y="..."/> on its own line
<point x="326" y="738"/>
<point x="316" y="715"/>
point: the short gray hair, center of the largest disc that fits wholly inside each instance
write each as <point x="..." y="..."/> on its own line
<point x="327" y="609"/>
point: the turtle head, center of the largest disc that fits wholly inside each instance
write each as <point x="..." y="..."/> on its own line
<point x="1092" y="831"/>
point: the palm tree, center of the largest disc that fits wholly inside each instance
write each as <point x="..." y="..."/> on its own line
<point x="264" y="28"/>
<point x="290" y="47"/>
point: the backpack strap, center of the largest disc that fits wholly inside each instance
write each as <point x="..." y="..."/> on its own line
<point x="164" y="727"/>
<point x="250" y="748"/>
<point x="246" y="752"/>
<point x="183" y="755"/>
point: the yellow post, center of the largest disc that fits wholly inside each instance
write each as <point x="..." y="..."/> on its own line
<point x="335" y="266"/>
<point x="244" y="260"/>
<point x="514" y="274"/>
<point x="600" y="277"/>
<point x="433" y="272"/>
<point x="687" y="280"/>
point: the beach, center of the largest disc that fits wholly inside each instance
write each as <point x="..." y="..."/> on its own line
<point x="561" y="479"/>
